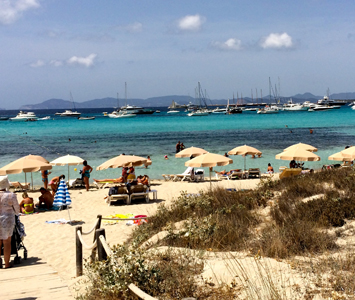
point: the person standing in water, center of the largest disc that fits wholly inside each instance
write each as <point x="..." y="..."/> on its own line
<point x="86" y="174"/>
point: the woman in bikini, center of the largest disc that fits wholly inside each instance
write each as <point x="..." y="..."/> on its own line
<point x="27" y="204"/>
<point x="55" y="182"/>
<point x="86" y="174"/>
<point x="45" y="174"/>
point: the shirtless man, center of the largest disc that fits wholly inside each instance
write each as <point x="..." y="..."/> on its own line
<point x="55" y="182"/>
<point x="46" y="200"/>
<point x="177" y="147"/>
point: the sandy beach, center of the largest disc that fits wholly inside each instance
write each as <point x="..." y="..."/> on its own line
<point x="55" y="243"/>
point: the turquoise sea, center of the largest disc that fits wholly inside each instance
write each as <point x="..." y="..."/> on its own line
<point x="156" y="135"/>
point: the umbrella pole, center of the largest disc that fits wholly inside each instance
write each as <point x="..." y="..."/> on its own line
<point x="25" y="178"/>
<point x="245" y="162"/>
<point x="31" y="181"/>
<point x="68" y="173"/>
<point x="210" y="178"/>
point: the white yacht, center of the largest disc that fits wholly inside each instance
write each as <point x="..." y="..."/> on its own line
<point x="25" y="116"/>
<point x="120" y="114"/>
<point x="308" y="104"/>
<point x="319" y="107"/>
<point x="327" y="101"/>
<point x="70" y="113"/>
<point x="268" y="110"/>
<point x="218" y="110"/>
<point x="199" y="113"/>
<point x="137" y="110"/>
<point x="173" y="111"/>
<point x="294" y="106"/>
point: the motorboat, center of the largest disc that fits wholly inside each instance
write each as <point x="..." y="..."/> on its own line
<point x="86" y="118"/>
<point x="294" y="106"/>
<point x="268" y="110"/>
<point x="319" y="107"/>
<point x="218" y="110"/>
<point x="137" y="110"/>
<point x="308" y="104"/>
<point x="70" y="113"/>
<point x="327" y="101"/>
<point x="173" y="112"/>
<point x="44" y="118"/>
<point x="234" y="110"/>
<point x="4" y="118"/>
<point x="174" y="105"/>
<point x="157" y="111"/>
<point x="199" y="113"/>
<point x="25" y="116"/>
<point x="251" y="109"/>
<point x="121" y="114"/>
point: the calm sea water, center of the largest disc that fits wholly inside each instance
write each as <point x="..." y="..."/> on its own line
<point x="156" y="135"/>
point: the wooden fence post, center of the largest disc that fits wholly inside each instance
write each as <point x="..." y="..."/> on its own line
<point x="98" y="225"/>
<point x="79" y="252"/>
<point x="100" y="249"/>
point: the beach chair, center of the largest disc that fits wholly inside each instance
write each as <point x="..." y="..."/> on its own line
<point x="73" y="183"/>
<point x="188" y="174"/>
<point x="200" y="175"/>
<point x="139" y="191"/>
<point x="19" y="187"/>
<point x="254" y="173"/>
<point x="290" y="172"/>
<point x="168" y="177"/>
<point x="122" y="194"/>
<point x="107" y="183"/>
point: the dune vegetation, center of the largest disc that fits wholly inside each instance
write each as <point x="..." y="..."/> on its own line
<point x="303" y="223"/>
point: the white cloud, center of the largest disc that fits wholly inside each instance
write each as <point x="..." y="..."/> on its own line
<point x="83" y="61"/>
<point x="39" y="63"/>
<point x="56" y="63"/>
<point x="134" y="27"/>
<point x="191" y="23"/>
<point x="230" y="44"/>
<point x="277" y="40"/>
<point x="10" y="11"/>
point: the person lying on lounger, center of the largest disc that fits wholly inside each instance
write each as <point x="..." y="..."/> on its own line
<point x="115" y="180"/>
<point x="225" y="173"/>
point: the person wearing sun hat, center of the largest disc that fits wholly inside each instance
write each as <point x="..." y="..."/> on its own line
<point x="9" y="207"/>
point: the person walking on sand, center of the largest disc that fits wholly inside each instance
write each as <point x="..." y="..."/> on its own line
<point x="86" y="174"/>
<point x="9" y="207"/>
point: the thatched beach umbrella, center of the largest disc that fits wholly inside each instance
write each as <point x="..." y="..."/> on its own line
<point x="340" y="156"/>
<point x="209" y="160"/>
<point x="350" y="152"/>
<point x="192" y="151"/>
<point x="302" y="146"/>
<point x="244" y="151"/>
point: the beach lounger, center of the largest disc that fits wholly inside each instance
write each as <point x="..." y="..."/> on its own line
<point x="290" y="172"/>
<point x="234" y="175"/>
<point x="139" y="191"/>
<point x="199" y="175"/>
<point x="107" y="183"/>
<point x="19" y="187"/>
<point x="254" y="172"/>
<point x="122" y="194"/>
<point x="186" y="175"/>
<point x="73" y="183"/>
<point x="168" y="177"/>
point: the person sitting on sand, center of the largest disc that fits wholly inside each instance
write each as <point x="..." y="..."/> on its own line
<point x="46" y="200"/>
<point x="270" y="169"/>
<point x="292" y="164"/>
<point x="55" y="182"/>
<point x="27" y="204"/>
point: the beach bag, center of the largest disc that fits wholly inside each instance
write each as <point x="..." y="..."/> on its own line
<point x="113" y="191"/>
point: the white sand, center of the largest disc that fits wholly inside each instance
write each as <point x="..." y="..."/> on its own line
<point x="55" y="243"/>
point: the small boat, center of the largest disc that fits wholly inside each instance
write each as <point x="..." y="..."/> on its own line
<point x="86" y="118"/>
<point x="4" y="118"/>
<point x="24" y="116"/>
<point x="121" y="114"/>
<point x="199" y="113"/>
<point x="173" y="111"/>
<point x="157" y="111"/>
<point x="70" y="113"/>
<point x="220" y="110"/>
<point x="44" y="118"/>
<point x="319" y="107"/>
<point x="105" y="113"/>
<point x="268" y="110"/>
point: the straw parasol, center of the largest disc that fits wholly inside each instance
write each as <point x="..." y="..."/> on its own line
<point x="192" y="151"/>
<point x="122" y="161"/>
<point x="339" y="156"/>
<point x="209" y="160"/>
<point x="350" y="152"/>
<point x="298" y="154"/>
<point x="302" y="146"/>
<point x="244" y="151"/>
<point x="26" y="164"/>
<point x="70" y="160"/>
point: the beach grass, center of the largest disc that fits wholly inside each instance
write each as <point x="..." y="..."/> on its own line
<point x="298" y="220"/>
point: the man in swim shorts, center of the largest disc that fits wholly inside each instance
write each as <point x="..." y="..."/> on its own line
<point x="46" y="200"/>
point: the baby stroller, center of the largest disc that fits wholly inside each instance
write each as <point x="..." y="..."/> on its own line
<point x="17" y="241"/>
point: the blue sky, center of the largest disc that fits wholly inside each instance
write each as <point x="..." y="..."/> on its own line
<point x="50" y="48"/>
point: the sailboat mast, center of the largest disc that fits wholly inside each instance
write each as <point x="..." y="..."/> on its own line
<point x="72" y="100"/>
<point x="125" y="91"/>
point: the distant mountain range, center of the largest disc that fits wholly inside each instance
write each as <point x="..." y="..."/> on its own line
<point x="165" y="101"/>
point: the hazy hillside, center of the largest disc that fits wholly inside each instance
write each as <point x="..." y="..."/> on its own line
<point x="165" y="101"/>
